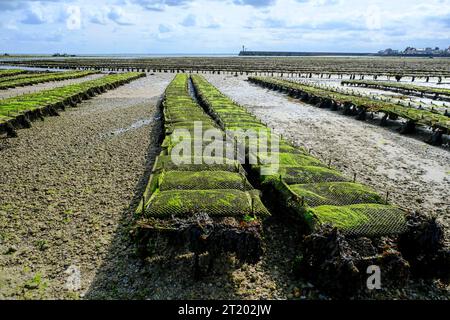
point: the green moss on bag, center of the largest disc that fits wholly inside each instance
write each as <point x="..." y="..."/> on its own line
<point x="360" y="219"/>
<point x="207" y="149"/>
<point x="237" y="125"/>
<point x="290" y="159"/>
<point x="216" y="203"/>
<point x="206" y="164"/>
<point x="285" y="147"/>
<point x="203" y="180"/>
<point x="190" y="127"/>
<point x="303" y="175"/>
<point x="335" y="193"/>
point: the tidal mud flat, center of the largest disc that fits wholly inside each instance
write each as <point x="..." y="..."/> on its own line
<point x="68" y="201"/>
<point x="65" y="186"/>
<point x="69" y="196"/>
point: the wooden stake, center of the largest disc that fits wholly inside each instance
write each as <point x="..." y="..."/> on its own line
<point x="253" y="206"/>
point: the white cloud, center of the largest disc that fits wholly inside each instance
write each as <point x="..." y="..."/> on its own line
<point x="119" y="16"/>
<point x="156" y="26"/>
<point x="34" y="15"/>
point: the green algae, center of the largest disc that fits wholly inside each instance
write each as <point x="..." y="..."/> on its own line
<point x="335" y="193"/>
<point x="188" y="180"/>
<point x="368" y="219"/>
<point x="216" y="203"/>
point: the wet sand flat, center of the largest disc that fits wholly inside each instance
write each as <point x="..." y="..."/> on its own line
<point x="71" y="184"/>
<point x="65" y="184"/>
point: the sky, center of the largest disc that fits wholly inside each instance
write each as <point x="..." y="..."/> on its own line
<point x="220" y="26"/>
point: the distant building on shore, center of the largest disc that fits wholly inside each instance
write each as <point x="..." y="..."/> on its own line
<point x="411" y="51"/>
<point x="408" y="52"/>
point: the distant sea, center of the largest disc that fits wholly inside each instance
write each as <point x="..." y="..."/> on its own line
<point x="130" y="56"/>
<point x="116" y="56"/>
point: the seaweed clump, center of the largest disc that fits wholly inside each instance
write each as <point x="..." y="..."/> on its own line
<point x="423" y="244"/>
<point x="202" y="234"/>
<point x="339" y="265"/>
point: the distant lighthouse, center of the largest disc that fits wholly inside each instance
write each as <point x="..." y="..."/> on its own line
<point x="242" y="53"/>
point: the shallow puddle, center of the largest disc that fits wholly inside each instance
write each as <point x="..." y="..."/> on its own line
<point x="136" y="125"/>
<point x="436" y="175"/>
